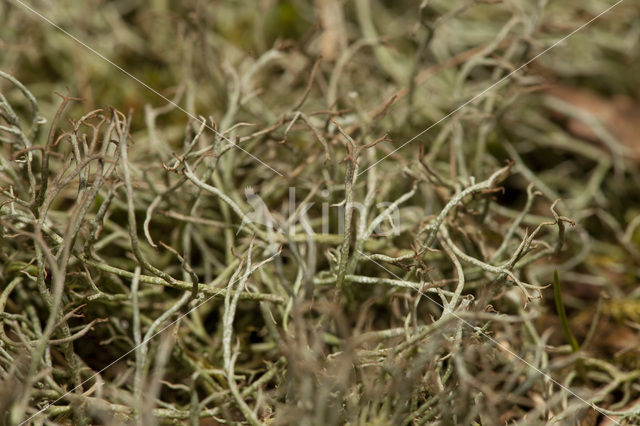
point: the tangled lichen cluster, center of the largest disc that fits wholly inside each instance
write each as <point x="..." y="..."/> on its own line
<point x="337" y="213"/>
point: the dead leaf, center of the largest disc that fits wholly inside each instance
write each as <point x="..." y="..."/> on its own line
<point x="620" y="115"/>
